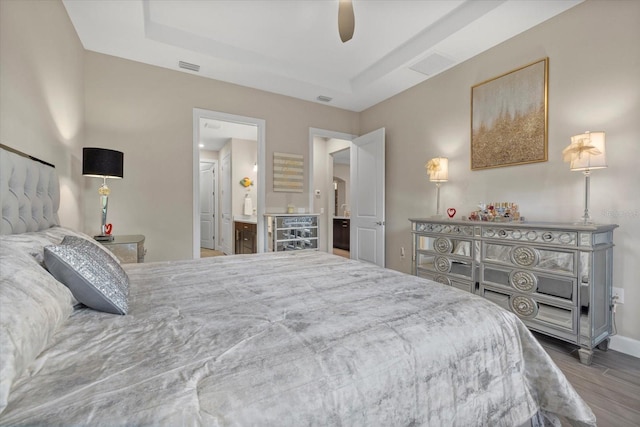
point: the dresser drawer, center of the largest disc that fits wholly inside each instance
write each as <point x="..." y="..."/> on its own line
<point x="128" y="249"/>
<point x="435" y="263"/>
<point x="297" y="221"/>
<point x="297" y="233"/>
<point x="445" y="245"/>
<point x="536" y="314"/>
<point x="529" y="236"/>
<point x="530" y="257"/>
<point x="562" y="289"/>
<point x="447" y="280"/>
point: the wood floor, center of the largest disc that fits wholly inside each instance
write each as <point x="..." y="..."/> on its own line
<point x="204" y="253"/>
<point x="610" y="385"/>
<point x="341" y="252"/>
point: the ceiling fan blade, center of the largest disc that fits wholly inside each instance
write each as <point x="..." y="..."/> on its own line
<point x="346" y="20"/>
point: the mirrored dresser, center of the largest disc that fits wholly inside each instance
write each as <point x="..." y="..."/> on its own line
<point x="292" y="232"/>
<point x="556" y="277"/>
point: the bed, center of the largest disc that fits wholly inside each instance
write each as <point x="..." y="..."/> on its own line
<point x="278" y="339"/>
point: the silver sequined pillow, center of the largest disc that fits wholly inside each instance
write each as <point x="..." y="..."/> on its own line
<point x="93" y="277"/>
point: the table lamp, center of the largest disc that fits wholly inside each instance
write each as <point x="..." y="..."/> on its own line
<point x="438" y="170"/>
<point x="103" y="163"/>
<point x="586" y="153"/>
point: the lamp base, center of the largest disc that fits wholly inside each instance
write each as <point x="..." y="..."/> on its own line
<point x="103" y="237"/>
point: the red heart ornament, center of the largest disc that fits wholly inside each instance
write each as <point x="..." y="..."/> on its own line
<point x="108" y="228"/>
<point x="451" y="212"/>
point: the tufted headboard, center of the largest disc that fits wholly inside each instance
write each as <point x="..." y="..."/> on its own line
<point x="29" y="193"/>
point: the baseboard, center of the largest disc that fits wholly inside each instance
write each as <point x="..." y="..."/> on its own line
<point x="625" y="345"/>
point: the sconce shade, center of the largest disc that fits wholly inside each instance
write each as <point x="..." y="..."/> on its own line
<point x="438" y="169"/>
<point x="586" y="152"/>
<point x="102" y="163"/>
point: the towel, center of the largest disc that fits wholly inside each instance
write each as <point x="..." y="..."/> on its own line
<point x="248" y="205"/>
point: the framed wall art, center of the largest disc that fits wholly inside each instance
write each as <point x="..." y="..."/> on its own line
<point x="509" y="116"/>
<point x="288" y="172"/>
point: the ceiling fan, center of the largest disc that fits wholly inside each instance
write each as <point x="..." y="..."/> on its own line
<point x="346" y="20"/>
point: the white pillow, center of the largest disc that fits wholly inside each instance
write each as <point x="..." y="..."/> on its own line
<point x="33" y="306"/>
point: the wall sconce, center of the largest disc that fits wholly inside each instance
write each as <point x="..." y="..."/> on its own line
<point x="103" y="163"/>
<point x="585" y="153"/>
<point x="438" y="170"/>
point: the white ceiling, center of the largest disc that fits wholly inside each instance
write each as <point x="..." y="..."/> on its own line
<point x="293" y="48"/>
<point x="214" y="134"/>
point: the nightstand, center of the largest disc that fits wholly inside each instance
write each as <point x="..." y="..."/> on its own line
<point x="128" y="249"/>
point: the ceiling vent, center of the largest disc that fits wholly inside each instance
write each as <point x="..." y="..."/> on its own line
<point x="188" y="66"/>
<point x="433" y="64"/>
<point x="323" y="98"/>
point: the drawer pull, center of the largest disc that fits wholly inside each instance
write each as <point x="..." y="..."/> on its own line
<point x="565" y="238"/>
<point x="523" y="306"/>
<point x="442" y="245"/>
<point x="523" y="281"/>
<point x="524" y="256"/>
<point x="442" y="279"/>
<point x="442" y="264"/>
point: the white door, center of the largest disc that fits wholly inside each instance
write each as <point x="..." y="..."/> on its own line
<point x="207" y="205"/>
<point x="226" y="232"/>
<point x="367" y="198"/>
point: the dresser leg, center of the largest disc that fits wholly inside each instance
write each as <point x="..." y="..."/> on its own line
<point x="585" y="356"/>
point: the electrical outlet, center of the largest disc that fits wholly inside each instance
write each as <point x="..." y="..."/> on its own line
<point x="618" y="295"/>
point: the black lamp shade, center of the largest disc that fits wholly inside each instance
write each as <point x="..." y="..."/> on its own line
<point x="102" y="162"/>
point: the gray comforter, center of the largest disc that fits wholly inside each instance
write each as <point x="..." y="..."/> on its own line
<point x="292" y="339"/>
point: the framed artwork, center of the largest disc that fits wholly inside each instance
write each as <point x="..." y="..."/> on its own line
<point x="509" y="116"/>
<point x="288" y="172"/>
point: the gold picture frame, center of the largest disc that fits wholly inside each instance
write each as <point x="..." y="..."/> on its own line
<point x="509" y="118"/>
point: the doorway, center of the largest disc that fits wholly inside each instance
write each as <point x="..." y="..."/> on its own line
<point x="340" y="244"/>
<point x="329" y="181"/>
<point x="220" y="133"/>
<point x="364" y="211"/>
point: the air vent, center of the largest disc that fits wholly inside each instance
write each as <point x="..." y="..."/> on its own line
<point x="432" y="64"/>
<point x="324" y="98"/>
<point x="188" y="66"/>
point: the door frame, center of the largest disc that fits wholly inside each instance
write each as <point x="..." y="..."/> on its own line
<point x="215" y="200"/>
<point x="323" y="133"/>
<point x="199" y="113"/>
